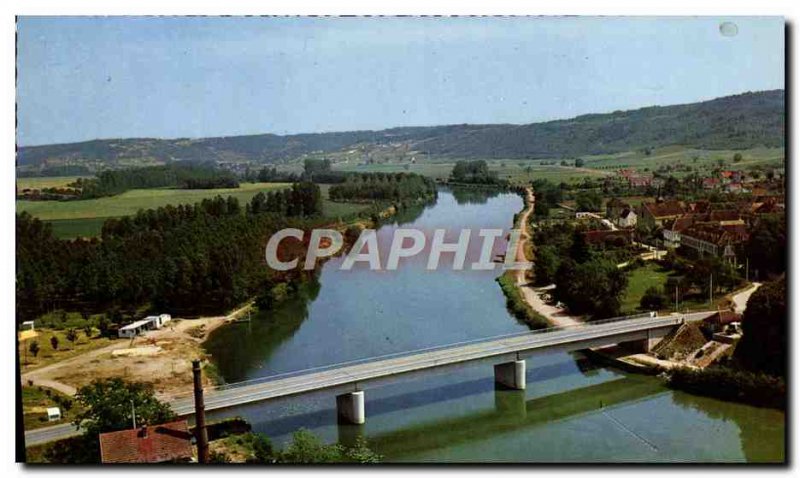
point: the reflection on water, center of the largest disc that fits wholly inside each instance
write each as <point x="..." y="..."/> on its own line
<point x="572" y="410"/>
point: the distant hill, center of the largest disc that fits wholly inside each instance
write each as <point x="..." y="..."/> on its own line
<point x="732" y="122"/>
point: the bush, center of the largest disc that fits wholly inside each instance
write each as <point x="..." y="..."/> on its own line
<point x="653" y="299"/>
<point x="727" y="383"/>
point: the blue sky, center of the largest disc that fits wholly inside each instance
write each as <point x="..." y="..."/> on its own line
<point x="105" y="77"/>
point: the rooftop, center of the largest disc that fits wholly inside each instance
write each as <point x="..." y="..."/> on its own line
<point x="168" y="442"/>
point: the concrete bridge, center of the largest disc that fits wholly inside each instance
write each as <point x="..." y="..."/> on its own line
<point x="508" y="354"/>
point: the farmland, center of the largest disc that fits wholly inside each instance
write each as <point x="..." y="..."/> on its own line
<point x="85" y="218"/>
<point x="514" y="170"/>
<point x="696" y="158"/>
<point x="45" y="182"/>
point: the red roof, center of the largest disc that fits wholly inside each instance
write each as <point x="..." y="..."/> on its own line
<point x="167" y="442"/>
<point x="664" y="209"/>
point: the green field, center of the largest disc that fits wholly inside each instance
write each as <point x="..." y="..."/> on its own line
<point x="639" y="280"/>
<point x="514" y="170"/>
<point x="704" y="160"/>
<point x="84" y="218"/>
<point x="41" y="183"/>
<point x="129" y="202"/>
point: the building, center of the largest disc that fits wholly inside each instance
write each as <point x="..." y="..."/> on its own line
<point x="627" y="218"/>
<point x="165" y="443"/>
<point x="614" y="208"/>
<point x="148" y="323"/>
<point x="53" y="414"/>
<point x="653" y="214"/>
<point x="714" y="239"/>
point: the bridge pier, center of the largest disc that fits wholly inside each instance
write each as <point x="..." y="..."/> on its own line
<point x="510" y="374"/>
<point x="350" y="407"/>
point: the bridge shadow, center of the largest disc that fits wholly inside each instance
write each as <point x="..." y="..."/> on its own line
<point x="512" y="412"/>
<point x="376" y="406"/>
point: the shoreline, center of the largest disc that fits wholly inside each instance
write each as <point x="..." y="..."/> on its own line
<point x="524" y="296"/>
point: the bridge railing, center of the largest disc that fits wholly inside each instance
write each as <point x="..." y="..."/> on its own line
<point x="295" y="373"/>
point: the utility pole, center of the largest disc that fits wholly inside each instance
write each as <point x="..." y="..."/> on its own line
<point x="676" y="298"/>
<point x="199" y="414"/>
<point x="133" y="414"/>
<point x="711" y="289"/>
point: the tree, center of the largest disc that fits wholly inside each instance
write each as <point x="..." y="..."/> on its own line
<point x="653" y="299"/>
<point x="589" y="201"/>
<point x="763" y="347"/>
<point x="72" y="335"/>
<point x="594" y="287"/>
<point x="34" y="348"/>
<point x="308" y="448"/>
<point x="766" y="247"/>
<point x="546" y="265"/>
<point x="108" y="404"/>
<point x="54" y="342"/>
<point x="88" y="331"/>
<point x="737" y="157"/>
<point x="579" y="163"/>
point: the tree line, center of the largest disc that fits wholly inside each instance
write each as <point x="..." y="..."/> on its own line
<point x="183" y="175"/>
<point x="383" y="186"/>
<point x="204" y="258"/>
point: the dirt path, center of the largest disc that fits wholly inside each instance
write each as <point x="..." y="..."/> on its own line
<point x="556" y="316"/>
<point x="740" y="300"/>
<point x="168" y="369"/>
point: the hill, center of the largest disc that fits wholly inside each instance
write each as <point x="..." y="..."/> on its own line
<point x="732" y="122"/>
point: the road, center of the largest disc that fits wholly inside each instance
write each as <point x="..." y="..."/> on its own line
<point x="740" y="300"/>
<point x="557" y="316"/>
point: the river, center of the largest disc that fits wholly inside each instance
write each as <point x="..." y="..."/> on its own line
<point x="571" y="411"/>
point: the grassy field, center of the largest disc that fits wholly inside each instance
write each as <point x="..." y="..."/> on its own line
<point x="639" y="280"/>
<point x="514" y="170"/>
<point x="129" y="202"/>
<point x="697" y="158"/>
<point x="40" y="183"/>
<point x="66" y="349"/>
<point x="71" y="219"/>
<point x="36" y="400"/>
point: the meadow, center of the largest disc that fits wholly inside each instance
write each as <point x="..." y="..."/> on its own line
<point x="48" y="182"/>
<point x="696" y="158"/>
<point x="514" y="170"/>
<point x="84" y="218"/>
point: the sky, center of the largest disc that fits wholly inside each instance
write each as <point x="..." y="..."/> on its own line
<point x="83" y="78"/>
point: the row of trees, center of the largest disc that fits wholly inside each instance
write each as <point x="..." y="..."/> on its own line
<point x="184" y="175"/>
<point x="188" y="259"/>
<point x="384" y="187"/>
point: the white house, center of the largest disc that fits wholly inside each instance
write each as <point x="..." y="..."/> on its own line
<point x="627" y="218"/>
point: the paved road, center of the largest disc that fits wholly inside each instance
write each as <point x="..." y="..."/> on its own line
<point x="48" y="434"/>
<point x="361" y="372"/>
<point x="740" y="299"/>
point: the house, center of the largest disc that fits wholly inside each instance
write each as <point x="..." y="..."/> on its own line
<point x="715" y="239"/>
<point x="603" y="236"/>
<point x="614" y="208"/>
<point x="584" y="215"/>
<point x="673" y="228"/>
<point x="653" y="214"/>
<point x="165" y="443"/>
<point x="627" y="218"/>
<point x="721" y="319"/>
<point x="711" y="183"/>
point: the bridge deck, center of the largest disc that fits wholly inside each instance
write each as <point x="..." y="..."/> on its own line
<point x="365" y="371"/>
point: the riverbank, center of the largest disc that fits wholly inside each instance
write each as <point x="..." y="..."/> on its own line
<point x="525" y="301"/>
